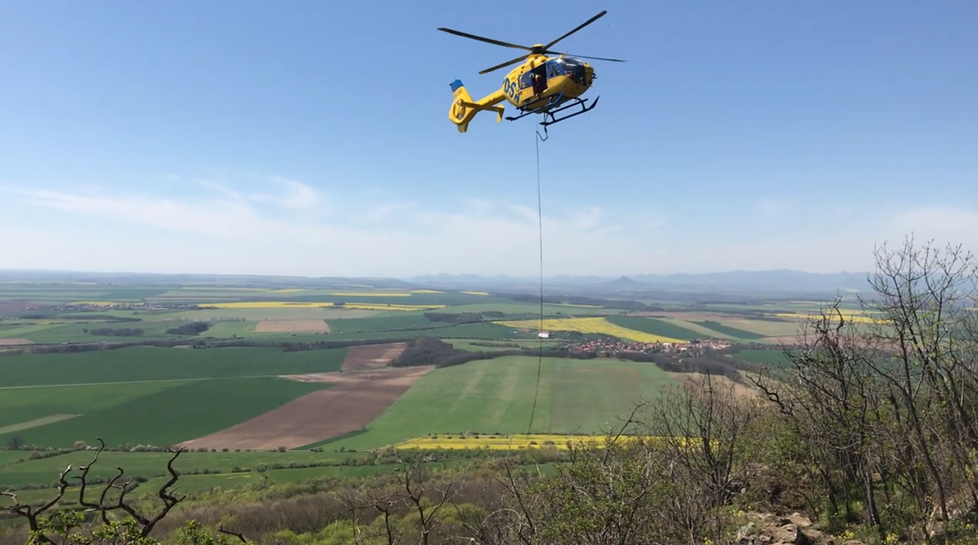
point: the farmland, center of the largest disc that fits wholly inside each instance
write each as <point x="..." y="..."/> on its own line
<point x="501" y="442"/>
<point x="604" y="326"/>
<point x="497" y="396"/>
<point x="177" y="410"/>
<point x="285" y="378"/>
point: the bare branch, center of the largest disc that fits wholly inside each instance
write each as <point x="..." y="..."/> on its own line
<point x="238" y="535"/>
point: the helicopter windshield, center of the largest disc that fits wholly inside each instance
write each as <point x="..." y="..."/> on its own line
<point x="566" y="67"/>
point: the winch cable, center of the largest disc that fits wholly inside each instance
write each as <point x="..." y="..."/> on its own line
<point x="536" y="391"/>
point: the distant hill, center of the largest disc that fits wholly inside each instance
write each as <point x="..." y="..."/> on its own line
<point x="155" y="279"/>
<point x="781" y="283"/>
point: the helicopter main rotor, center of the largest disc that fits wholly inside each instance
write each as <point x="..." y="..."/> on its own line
<point x="536" y="49"/>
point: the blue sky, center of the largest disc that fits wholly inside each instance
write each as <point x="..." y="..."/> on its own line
<point x="312" y="138"/>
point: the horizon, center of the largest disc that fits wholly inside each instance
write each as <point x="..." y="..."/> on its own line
<point x="431" y="275"/>
<point x="185" y="138"/>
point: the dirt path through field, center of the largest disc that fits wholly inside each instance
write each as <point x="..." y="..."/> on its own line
<point x="9" y="306"/>
<point x="292" y="326"/>
<point x="14" y="342"/>
<point x="740" y="390"/>
<point x="357" y="398"/>
<point x="372" y="356"/>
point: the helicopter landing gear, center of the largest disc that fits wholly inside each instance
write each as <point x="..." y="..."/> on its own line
<point x="551" y="108"/>
<point x="575" y="102"/>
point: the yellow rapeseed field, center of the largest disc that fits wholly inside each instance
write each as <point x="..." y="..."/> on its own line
<point x="372" y="294"/>
<point x="426" y="291"/>
<point x="218" y="288"/>
<point x="509" y="442"/>
<point x="266" y="304"/>
<point x="384" y="306"/>
<point x="476" y="292"/>
<point x="307" y="304"/>
<point x="590" y="325"/>
<point x="857" y="316"/>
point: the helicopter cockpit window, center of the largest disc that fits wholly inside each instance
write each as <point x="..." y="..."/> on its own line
<point x="526" y="80"/>
<point x="573" y="68"/>
<point x="554" y="69"/>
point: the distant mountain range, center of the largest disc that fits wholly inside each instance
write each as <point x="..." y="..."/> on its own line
<point x="766" y="280"/>
<point x="780" y="283"/>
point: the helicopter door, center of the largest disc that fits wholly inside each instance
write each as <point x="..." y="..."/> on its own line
<point x="539" y="79"/>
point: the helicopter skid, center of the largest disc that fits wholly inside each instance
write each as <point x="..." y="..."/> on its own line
<point x="576" y="102"/>
<point x="549" y="111"/>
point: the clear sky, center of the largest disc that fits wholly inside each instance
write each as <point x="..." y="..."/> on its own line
<point x="312" y="137"/>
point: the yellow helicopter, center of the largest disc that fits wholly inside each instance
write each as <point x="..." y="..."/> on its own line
<point x="541" y="85"/>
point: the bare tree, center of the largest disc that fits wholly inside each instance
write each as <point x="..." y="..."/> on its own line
<point x="703" y="429"/>
<point x="41" y="534"/>
<point x="925" y="299"/>
<point x="418" y="492"/>
<point x="833" y="400"/>
<point x="886" y="403"/>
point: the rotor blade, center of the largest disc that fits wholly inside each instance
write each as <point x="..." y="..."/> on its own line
<point x="584" y="24"/>
<point x="507" y="63"/>
<point x="583" y="56"/>
<point x="481" y="39"/>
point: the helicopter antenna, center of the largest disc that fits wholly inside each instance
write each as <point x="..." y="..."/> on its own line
<point x="536" y="390"/>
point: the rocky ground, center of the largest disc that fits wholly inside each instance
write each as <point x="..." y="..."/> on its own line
<point x="794" y="529"/>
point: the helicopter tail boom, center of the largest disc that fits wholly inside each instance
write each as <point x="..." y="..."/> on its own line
<point x="464" y="107"/>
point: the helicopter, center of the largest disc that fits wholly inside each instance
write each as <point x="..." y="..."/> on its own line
<point x="540" y="85"/>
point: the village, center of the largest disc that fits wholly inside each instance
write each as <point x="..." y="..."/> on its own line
<point x="611" y="345"/>
<point x="102" y="306"/>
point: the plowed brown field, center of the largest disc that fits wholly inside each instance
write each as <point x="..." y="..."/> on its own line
<point x="292" y="326"/>
<point x="372" y="356"/>
<point x="357" y="398"/>
<point x="740" y="390"/>
<point x="13" y="305"/>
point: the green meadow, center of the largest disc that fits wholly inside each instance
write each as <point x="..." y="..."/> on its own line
<point x="153" y="464"/>
<point x="144" y="363"/>
<point x="497" y="396"/>
<point x="173" y="413"/>
<point x="655" y="327"/>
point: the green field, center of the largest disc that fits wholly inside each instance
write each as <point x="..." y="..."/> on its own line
<point x="655" y="327"/>
<point x="400" y="320"/>
<point x="767" y="357"/>
<point x="496" y="396"/>
<point x="475" y="345"/>
<point x="51" y="332"/>
<point x="252" y="314"/>
<point x="151" y="464"/>
<point x="143" y="363"/>
<point x="728" y="330"/>
<point x="22" y="405"/>
<point x="174" y="412"/>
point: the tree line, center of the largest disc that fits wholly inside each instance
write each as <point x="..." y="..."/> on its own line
<point x="434" y="351"/>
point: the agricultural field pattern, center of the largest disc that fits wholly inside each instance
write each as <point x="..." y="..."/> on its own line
<point x="291" y="383"/>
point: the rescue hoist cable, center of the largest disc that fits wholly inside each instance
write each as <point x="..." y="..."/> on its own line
<point x="536" y="390"/>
